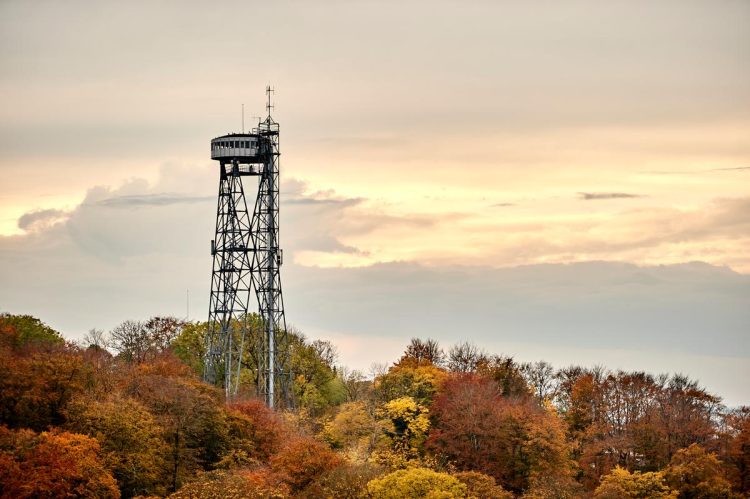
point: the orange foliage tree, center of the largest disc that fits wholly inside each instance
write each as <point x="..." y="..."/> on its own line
<point x="232" y="484"/>
<point x="189" y="412"/>
<point x="130" y="439"/>
<point x="36" y="384"/>
<point x="52" y="464"/>
<point x="301" y="460"/>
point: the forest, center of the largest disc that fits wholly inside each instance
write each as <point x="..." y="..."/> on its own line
<point x="124" y="413"/>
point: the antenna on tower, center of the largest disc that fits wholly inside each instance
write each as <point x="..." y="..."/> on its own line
<point x="243" y="118"/>
<point x="269" y="106"/>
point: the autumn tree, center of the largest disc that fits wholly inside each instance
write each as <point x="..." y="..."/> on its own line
<point x="36" y="384"/>
<point x="738" y="452"/>
<point x="348" y="481"/>
<point x="417" y="483"/>
<point x="506" y="373"/>
<point x="420" y="383"/>
<point x="301" y="460"/>
<point x="255" y="431"/>
<point x="405" y="424"/>
<point x="137" y="341"/>
<point x="18" y="331"/>
<point x="51" y="465"/>
<point x="232" y="484"/>
<point x="697" y="474"/>
<point x="130" y="440"/>
<point x="353" y="427"/>
<point x="188" y="411"/>
<point x="481" y="486"/>
<point x="476" y="428"/>
<point x="685" y="412"/>
<point x="465" y="357"/>
<point x="422" y="352"/>
<point x="621" y="484"/>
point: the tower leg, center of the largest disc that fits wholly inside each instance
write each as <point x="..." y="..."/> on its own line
<point x="230" y="283"/>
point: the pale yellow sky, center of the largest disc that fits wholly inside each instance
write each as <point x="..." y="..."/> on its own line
<point x="471" y="133"/>
<point x="534" y="176"/>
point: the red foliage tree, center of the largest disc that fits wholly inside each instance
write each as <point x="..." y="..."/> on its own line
<point x="513" y="440"/>
<point x="250" y="421"/>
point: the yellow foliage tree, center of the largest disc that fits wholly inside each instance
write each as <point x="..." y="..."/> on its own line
<point x="353" y="429"/>
<point x="406" y="425"/>
<point x="621" y="484"/>
<point x="417" y="483"/>
<point x="697" y="474"/>
<point x="420" y="383"/>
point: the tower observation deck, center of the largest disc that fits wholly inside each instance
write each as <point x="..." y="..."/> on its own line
<point x="246" y="261"/>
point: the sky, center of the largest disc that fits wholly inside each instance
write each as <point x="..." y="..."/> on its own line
<point x="567" y="181"/>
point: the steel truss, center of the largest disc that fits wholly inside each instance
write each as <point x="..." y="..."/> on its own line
<point x="246" y="258"/>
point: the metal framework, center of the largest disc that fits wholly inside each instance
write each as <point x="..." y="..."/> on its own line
<point x="246" y="258"/>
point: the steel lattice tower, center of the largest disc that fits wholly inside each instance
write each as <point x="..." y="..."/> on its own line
<point x="247" y="258"/>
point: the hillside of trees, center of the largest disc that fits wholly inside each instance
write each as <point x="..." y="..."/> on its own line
<point x="125" y="414"/>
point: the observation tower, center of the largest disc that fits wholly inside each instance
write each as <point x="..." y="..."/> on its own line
<point x="246" y="261"/>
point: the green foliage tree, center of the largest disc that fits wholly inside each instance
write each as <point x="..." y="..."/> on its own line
<point x="316" y="385"/>
<point x="190" y="345"/>
<point x="24" y="330"/>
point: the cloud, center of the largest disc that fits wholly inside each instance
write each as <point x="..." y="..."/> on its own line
<point x="41" y="219"/>
<point x="99" y="266"/>
<point x="730" y="169"/>
<point x="587" y="196"/>
<point x="158" y="199"/>
<point x="502" y="205"/>
<point x="698" y="172"/>
<point x="564" y="313"/>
